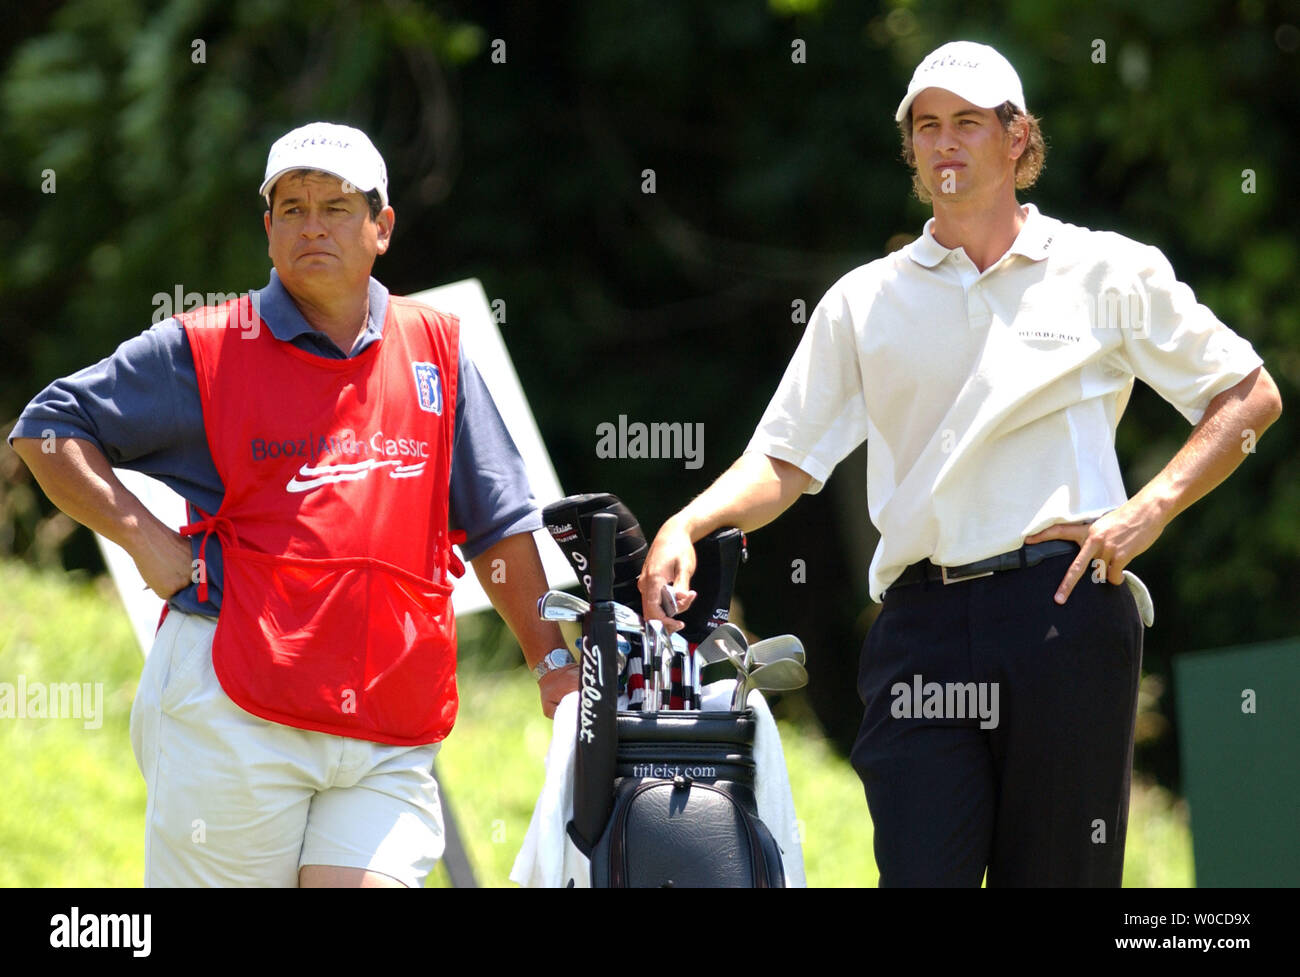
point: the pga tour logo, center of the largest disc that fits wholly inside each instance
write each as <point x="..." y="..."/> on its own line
<point x="428" y="384"/>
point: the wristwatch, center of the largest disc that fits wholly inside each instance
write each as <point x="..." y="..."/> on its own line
<point x="556" y="659"/>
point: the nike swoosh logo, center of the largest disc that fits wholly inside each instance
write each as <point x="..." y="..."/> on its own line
<point x="314" y="477"/>
<point x="325" y="474"/>
<point x="407" y="471"/>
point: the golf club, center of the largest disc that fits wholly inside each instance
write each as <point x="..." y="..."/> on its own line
<point x="648" y="665"/>
<point x="720" y="641"/>
<point x="564" y="614"/>
<point x="664" y="659"/>
<point x="554" y="600"/>
<point x="668" y="671"/>
<point x="627" y="617"/>
<point x="695" y="680"/>
<point x="782" y="675"/>
<point x="737" y="658"/>
<point x="556" y="605"/>
<point x="683" y="650"/>
<point x="654" y="652"/>
<point x="647" y="673"/>
<point x="774" y="649"/>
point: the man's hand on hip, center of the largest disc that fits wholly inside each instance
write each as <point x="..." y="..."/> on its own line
<point x="78" y="478"/>
<point x="1211" y="454"/>
<point x="163" y="560"/>
<point x="1107" y="545"/>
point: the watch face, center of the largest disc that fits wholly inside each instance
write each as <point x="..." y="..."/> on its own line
<point x="557" y="658"/>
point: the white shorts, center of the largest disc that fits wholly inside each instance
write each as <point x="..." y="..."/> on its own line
<point x="235" y="800"/>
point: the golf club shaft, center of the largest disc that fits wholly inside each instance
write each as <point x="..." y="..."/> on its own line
<point x="648" y="671"/>
<point x="695" y="680"/>
<point x="679" y="667"/>
<point x="688" y="684"/>
<point x="667" y="677"/>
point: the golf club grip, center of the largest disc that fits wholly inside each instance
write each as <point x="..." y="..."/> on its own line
<point x="604" y="526"/>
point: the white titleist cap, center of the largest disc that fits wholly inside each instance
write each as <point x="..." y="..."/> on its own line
<point x="976" y="72"/>
<point x="341" y="150"/>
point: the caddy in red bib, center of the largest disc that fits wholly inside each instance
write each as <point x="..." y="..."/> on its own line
<point x="336" y="608"/>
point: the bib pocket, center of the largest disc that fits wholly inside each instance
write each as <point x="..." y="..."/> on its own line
<point x="351" y="646"/>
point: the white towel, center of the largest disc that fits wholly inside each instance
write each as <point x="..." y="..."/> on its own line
<point x="549" y="859"/>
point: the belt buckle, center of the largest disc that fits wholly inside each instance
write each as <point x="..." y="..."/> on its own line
<point x="943" y="575"/>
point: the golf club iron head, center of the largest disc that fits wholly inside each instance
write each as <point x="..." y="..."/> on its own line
<point x="556" y="605"/>
<point x="783" y="675"/>
<point x="723" y="643"/>
<point x="626" y="617"/>
<point x="773" y="649"/>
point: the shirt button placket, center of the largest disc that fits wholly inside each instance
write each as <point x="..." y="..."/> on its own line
<point x="978" y="314"/>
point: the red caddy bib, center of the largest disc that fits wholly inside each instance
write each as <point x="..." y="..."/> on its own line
<point x="336" y="611"/>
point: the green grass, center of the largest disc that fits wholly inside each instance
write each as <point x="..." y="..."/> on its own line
<point x="73" y="811"/>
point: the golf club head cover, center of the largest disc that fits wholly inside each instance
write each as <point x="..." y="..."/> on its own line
<point x="717" y="557"/>
<point x="569" y="523"/>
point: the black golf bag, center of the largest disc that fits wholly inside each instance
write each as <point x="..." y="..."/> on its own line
<point x="660" y="798"/>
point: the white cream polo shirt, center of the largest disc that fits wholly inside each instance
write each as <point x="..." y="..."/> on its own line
<point x="989" y="401"/>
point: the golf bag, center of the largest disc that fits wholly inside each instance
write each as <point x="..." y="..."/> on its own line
<point x="660" y="798"/>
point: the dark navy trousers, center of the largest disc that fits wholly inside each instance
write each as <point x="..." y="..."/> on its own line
<point x="1035" y="791"/>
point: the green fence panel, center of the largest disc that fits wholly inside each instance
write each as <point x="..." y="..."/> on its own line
<point x="1239" y="738"/>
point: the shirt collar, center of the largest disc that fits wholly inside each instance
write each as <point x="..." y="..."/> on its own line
<point x="1032" y="242"/>
<point x="926" y="251"/>
<point x="1035" y="236"/>
<point x="276" y="307"/>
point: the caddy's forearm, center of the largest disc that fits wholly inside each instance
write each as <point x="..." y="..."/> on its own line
<point x="77" y="477"/>
<point x="512" y="576"/>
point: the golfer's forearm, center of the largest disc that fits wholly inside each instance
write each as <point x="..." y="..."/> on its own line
<point x="79" y="480"/>
<point x="1224" y="438"/>
<point x="751" y="493"/>
<point x="512" y="576"/>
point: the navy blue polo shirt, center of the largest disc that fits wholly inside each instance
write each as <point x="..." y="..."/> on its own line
<point x="141" y="407"/>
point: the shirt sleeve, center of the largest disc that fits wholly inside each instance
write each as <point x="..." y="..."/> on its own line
<point x="818" y="414"/>
<point x="139" y="406"/>
<point x="1183" y="351"/>
<point x="490" y="497"/>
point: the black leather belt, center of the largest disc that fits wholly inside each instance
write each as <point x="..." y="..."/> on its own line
<point x="1029" y="555"/>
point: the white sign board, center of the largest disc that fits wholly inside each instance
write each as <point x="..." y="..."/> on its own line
<point x="482" y="343"/>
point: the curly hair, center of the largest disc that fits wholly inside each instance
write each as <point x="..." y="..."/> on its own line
<point x="1028" y="166"/>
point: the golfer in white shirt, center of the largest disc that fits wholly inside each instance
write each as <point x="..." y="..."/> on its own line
<point x="987" y="365"/>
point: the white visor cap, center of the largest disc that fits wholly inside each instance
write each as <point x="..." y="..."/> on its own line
<point x="343" y="151"/>
<point x="976" y="72"/>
